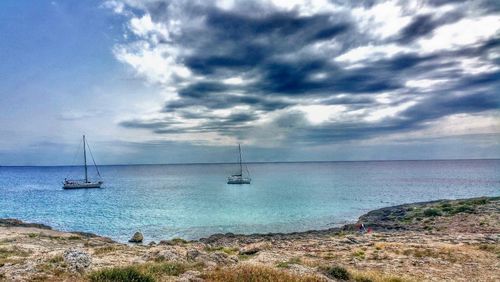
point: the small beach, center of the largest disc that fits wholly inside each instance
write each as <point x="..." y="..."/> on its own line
<point x="436" y="240"/>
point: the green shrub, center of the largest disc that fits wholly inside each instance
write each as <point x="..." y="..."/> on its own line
<point x="477" y="202"/>
<point x="432" y="212"/>
<point x="464" y="209"/>
<point x="161" y="269"/>
<point x="117" y="274"/>
<point x="447" y="209"/>
<point x="359" y="254"/>
<point x="338" y="272"/>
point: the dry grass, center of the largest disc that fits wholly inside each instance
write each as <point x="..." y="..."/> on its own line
<point x="13" y="252"/>
<point x="143" y="272"/>
<point x="375" y="276"/>
<point x="448" y="254"/>
<point x="105" y="250"/>
<point x="229" y="251"/>
<point x="255" y="273"/>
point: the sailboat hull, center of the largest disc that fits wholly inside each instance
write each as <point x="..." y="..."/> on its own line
<point x="82" y="185"/>
<point x="238" y="180"/>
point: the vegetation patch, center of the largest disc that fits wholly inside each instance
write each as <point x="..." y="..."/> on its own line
<point x="338" y="272"/>
<point x="254" y="273"/>
<point x="359" y="254"/>
<point x="446" y="254"/>
<point x="229" y="251"/>
<point x="374" y="276"/>
<point x="286" y="264"/>
<point x="432" y="212"/>
<point x="244" y="257"/>
<point x="463" y="209"/>
<point x="175" y="241"/>
<point x="491" y="248"/>
<point x="14" y="251"/>
<point x="105" y="250"/>
<point x="129" y="273"/>
<point x="56" y="259"/>
<point x="142" y="272"/>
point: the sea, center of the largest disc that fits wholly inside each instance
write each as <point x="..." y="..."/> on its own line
<point x="192" y="201"/>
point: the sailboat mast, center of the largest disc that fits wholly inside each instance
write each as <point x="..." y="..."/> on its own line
<point x="85" y="160"/>
<point x="241" y="167"/>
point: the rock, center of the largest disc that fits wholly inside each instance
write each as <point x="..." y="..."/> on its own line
<point x="221" y="258"/>
<point x="77" y="260"/>
<point x="152" y="244"/>
<point x="163" y="255"/>
<point x="137" y="238"/>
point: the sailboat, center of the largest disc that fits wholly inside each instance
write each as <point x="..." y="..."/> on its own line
<point x="76" y="184"/>
<point x="239" y="178"/>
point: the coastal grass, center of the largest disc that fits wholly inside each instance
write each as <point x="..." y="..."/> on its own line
<point x="33" y="235"/>
<point x="490" y="248"/>
<point x="143" y="272"/>
<point x="227" y="250"/>
<point x="255" y="273"/>
<point x="13" y="251"/>
<point x="426" y="213"/>
<point x="115" y="274"/>
<point x="174" y="242"/>
<point x="374" y="276"/>
<point x="245" y="257"/>
<point x="12" y="255"/>
<point x="359" y="254"/>
<point x="337" y="272"/>
<point x="105" y="250"/>
<point x="288" y="263"/>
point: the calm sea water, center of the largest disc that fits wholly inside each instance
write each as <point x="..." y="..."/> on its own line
<point x="193" y="201"/>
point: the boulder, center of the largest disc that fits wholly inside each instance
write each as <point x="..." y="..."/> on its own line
<point x="137" y="238"/>
<point x="77" y="260"/>
<point x="221" y="258"/>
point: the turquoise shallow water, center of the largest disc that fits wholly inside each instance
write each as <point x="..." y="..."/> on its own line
<point x="193" y="201"/>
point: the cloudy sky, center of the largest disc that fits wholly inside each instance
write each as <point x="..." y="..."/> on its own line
<point x="184" y="81"/>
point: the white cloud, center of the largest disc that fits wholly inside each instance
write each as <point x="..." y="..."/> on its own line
<point x="383" y="20"/>
<point x="466" y="32"/>
<point x="388" y="111"/>
<point x="371" y="53"/>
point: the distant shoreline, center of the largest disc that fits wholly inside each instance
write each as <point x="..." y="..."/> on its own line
<point x="267" y="162"/>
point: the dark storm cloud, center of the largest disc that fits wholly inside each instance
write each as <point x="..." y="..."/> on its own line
<point x="409" y="120"/>
<point x="424" y="25"/>
<point x="223" y="100"/>
<point x="244" y="42"/>
<point x="152" y="124"/>
<point x="286" y="60"/>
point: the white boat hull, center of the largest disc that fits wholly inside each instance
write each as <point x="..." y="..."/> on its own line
<point x="81" y="185"/>
<point x="238" y="180"/>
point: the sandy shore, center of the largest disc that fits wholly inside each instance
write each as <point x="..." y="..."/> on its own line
<point x="444" y="240"/>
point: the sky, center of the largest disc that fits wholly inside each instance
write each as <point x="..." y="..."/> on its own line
<point x="158" y="81"/>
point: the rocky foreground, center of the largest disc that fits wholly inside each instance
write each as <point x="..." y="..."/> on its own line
<point x="435" y="241"/>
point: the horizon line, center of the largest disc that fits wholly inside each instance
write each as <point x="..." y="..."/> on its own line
<point x="262" y="162"/>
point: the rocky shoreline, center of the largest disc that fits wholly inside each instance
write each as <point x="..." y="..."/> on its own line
<point x="433" y="241"/>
